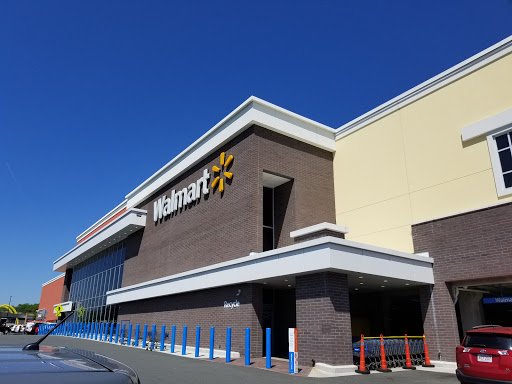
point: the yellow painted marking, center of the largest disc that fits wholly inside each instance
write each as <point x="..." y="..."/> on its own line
<point x="229" y="160"/>
<point x="215" y="181"/>
<point x="229" y="175"/>
<point x="58" y="310"/>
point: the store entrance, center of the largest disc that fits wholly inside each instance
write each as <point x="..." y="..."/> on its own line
<point x="279" y="315"/>
<point x="392" y="313"/>
<point x="487" y="303"/>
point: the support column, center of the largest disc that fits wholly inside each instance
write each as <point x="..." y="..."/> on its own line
<point x="439" y="321"/>
<point x="323" y="319"/>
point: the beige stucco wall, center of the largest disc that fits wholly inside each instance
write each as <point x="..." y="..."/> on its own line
<point x="412" y="165"/>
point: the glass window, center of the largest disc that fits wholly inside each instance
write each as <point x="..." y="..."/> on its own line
<point x="500" y="148"/>
<point x="93" y="278"/>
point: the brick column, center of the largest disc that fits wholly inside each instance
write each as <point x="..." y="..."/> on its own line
<point x="439" y="321"/>
<point x="323" y="319"/>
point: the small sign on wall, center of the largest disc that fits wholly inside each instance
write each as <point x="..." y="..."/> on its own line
<point x="232" y="304"/>
<point x="293" y="350"/>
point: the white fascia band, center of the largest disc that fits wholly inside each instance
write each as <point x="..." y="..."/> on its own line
<point x="324" y="254"/>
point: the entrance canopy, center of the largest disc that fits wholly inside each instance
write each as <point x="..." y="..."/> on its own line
<point x="373" y="266"/>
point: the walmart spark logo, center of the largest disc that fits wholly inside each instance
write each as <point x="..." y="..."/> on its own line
<point x="222" y="171"/>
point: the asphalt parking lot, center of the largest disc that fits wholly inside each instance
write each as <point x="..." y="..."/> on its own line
<point x="157" y="368"/>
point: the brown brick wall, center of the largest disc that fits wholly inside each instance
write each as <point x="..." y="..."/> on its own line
<point x="204" y="309"/>
<point x="229" y="226"/>
<point x="323" y="319"/>
<point x="475" y="245"/>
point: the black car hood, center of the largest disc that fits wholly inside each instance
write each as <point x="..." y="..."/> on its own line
<point x="49" y="360"/>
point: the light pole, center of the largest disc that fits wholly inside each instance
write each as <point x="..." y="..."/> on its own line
<point x="10" y="297"/>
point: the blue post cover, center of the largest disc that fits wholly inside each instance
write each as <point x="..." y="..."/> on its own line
<point x="247" y="346"/>
<point x="111" y="332"/>
<point x="162" y="338"/>
<point x="144" y="336"/>
<point x="137" y="331"/>
<point x="117" y="333"/>
<point x="105" y="336"/>
<point x="173" y="338"/>
<point x="269" y="349"/>
<point x="153" y="333"/>
<point x="92" y="330"/>
<point x="123" y="332"/>
<point x="198" y="337"/>
<point x="184" y="343"/>
<point x="129" y="341"/>
<point x="212" y="338"/>
<point x="228" y="345"/>
<point x="101" y="330"/>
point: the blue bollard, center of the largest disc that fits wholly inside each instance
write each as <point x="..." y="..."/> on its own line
<point x="72" y="330"/>
<point x="93" y="326"/>
<point x="123" y="332"/>
<point x="173" y="338"/>
<point x="129" y="341"/>
<point x="137" y="330"/>
<point x="117" y="333"/>
<point x="111" y="332"/>
<point x="96" y="328"/>
<point x="105" y="335"/>
<point x="212" y="338"/>
<point x="198" y="337"/>
<point x="144" y="336"/>
<point x="88" y="330"/>
<point x="228" y="345"/>
<point x="184" y="344"/>
<point x="153" y="333"/>
<point x="162" y="338"/>
<point x="247" y="346"/>
<point x="269" y="349"/>
<point x="101" y="330"/>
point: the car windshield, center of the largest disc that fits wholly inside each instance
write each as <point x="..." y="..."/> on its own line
<point x="488" y="340"/>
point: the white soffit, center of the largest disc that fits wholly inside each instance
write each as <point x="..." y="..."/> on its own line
<point x="481" y="59"/>
<point x="273" y="181"/>
<point x="252" y="111"/>
<point x="100" y="222"/>
<point x="118" y="230"/>
<point x="324" y="254"/>
<point x="483" y="127"/>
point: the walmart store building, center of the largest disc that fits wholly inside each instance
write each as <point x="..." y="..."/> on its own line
<point x="397" y="222"/>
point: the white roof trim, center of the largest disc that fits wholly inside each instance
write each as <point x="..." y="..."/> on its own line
<point x="54" y="279"/>
<point x="252" y="111"/>
<point x="326" y="253"/>
<point x="318" y="228"/>
<point x="101" y="221"/>
<point x="125" y="225"/>
<point x="485" y="126"/>
<point x="472" y="64"/>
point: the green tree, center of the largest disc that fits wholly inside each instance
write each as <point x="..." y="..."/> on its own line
<point x="27" y="308"/>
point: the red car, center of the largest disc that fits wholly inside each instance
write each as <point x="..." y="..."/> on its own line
<point x="485" y="356"/>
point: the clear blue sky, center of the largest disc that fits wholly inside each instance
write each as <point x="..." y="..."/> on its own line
<point x="95" y="96"/>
